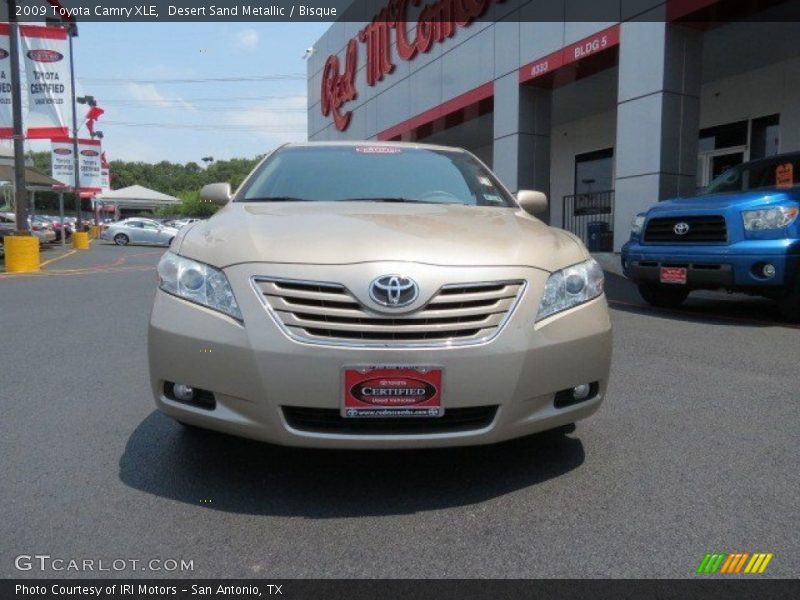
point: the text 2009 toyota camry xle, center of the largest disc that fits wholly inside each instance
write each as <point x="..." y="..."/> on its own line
<point x="370" y="295"/>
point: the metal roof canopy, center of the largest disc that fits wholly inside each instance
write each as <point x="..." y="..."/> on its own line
<point x="137" y="196"/>
<point x="35" y="180"/>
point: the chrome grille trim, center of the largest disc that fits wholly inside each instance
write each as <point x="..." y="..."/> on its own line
<point x="328" y="314"/>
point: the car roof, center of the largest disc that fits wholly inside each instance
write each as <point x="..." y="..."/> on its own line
<point x="774" y="157"/>
<point x="371" y="143"/>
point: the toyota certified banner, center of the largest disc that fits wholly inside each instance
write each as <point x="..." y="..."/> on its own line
<point x="45" y="51"/>
<point x="6" y="121"/>
<point x="91" y="171"/>
<point x="105" y="179"/>
<point x="61" y="161"/>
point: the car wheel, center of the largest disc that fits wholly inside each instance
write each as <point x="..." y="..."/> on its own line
<point x="121" y="239"/>
<point x="662" y="295"/>
<point x="789" y="303"/>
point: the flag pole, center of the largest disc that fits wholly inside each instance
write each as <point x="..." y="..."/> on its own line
<point x="76" y="160"/>
<point x="20" y="200"/>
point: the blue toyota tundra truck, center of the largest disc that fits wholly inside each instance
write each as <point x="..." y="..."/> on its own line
<point x="741" y="234"/>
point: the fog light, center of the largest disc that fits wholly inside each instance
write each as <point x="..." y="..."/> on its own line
<point x="581" y="392"/>
<point x="182" y="392"/>
<point x="768" y="271"/>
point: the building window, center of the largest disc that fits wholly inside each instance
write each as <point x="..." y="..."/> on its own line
<point x="594" y="171"/>
<point x="765" y="136"/>
<point x="723" y="136"/>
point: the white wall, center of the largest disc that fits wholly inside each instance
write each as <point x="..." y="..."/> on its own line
<point x="757" y="93"/>
<point x="588" y="134"/>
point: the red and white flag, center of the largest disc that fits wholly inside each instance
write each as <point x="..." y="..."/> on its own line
<point x="94" y="113"/>
<point x="6" y="116"/>
<point x="45" y="51"/>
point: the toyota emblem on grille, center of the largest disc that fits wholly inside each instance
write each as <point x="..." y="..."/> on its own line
<point x="681" y="228"/>
<point x="394" y="291"/>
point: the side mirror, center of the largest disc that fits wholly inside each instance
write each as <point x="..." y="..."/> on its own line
<point x="532" y="202"/>
<point x="216" y="193"/>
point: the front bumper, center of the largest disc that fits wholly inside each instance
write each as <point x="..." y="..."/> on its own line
<point x="254" y="369"/>
<point x="734" y="266"/>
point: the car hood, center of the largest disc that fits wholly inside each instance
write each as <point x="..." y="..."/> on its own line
<point x="721" y="202"/>
<point x="352" y="232"/>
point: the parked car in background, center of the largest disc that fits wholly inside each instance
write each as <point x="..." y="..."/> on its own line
<point x="741" y="234"/>
<point x="7" y="227"/>
<point x="43" y="230"/>
<point x="139" y="231"/>
<point x="55" y="223"/>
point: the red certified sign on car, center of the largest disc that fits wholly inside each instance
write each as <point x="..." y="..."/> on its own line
<point x="673" y="275"/>
<point x="393" y="392"/>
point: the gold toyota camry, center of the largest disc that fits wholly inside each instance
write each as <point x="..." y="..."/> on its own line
<point x="377" y="295"/>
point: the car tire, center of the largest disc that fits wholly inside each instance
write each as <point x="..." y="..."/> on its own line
<point x="662" y="296"/>
<point x="789" y="303"/>
<point x="121" y="239"/>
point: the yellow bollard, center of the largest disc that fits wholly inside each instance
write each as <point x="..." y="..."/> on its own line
<point x="80" y="240"/>
<point x="22" y="253"/>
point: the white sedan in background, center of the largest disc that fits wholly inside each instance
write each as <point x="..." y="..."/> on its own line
<point x="139" y="231"/>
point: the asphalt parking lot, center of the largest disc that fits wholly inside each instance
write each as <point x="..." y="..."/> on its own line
<point x="694" y="451"/>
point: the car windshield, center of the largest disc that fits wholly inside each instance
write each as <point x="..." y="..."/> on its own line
<point x="374" y="173"/>
<point x="776" y="172"/>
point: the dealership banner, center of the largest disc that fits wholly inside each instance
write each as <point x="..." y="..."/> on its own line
<point x="105" y="179"/>
<point x="90" y="170"/>
<point x="45" y="51"/>
<point x="6" y="120"/>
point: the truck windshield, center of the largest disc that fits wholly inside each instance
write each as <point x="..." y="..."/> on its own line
<point x="774" y="172"/>
<point x="374" y="174"/>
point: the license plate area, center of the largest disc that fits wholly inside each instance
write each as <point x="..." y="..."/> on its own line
<point x="392" y="392"/>
<point x="673" y="275"/>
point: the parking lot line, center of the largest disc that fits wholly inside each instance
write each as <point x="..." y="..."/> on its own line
<point x="52" y="260"/>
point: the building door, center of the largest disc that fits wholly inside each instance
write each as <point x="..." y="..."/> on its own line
<point x="589" y="212"/>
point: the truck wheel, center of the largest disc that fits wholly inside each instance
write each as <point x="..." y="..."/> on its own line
<point x="790" y="304"/>
<point x="662" y="295"/>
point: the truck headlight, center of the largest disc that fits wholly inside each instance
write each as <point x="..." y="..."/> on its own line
<point x="637" y="224"/>
<point x="777" y="217"/>
<point x="570" y="287"/>
<point x="198" y="283"/>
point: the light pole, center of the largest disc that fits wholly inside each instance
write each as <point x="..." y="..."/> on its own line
<point x="20" y="202"/>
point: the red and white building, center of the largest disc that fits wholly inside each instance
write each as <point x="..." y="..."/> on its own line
<point x="606" y="116"/>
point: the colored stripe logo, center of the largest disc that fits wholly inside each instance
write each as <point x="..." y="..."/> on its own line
<point x="734" y="563"/>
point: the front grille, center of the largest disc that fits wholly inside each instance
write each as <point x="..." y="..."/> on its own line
<point x="328" y="313"/>
<point x="330" y="420"/>
<point x="702" y="228"/>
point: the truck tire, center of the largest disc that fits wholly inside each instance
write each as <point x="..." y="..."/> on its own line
<point x="789" y="303"/>
<point x="662" y="296"/>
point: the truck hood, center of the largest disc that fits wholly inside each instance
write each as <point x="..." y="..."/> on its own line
<point x="352" y="232"/>
<point x="722" y="202"/>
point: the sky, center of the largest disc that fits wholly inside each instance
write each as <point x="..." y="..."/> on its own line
<point x="128" y="68"/>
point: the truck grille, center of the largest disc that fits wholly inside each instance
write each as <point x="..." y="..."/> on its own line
<point x="327" y="313"/>
<point x="329" y="420"/>
<point x="702" y="228"/>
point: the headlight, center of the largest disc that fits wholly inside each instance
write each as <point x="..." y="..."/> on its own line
<point x="637" y="224"/>
<point x="197" y="282"/>
<point x="570" y="287"/>
<point x="769" y="218"/>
